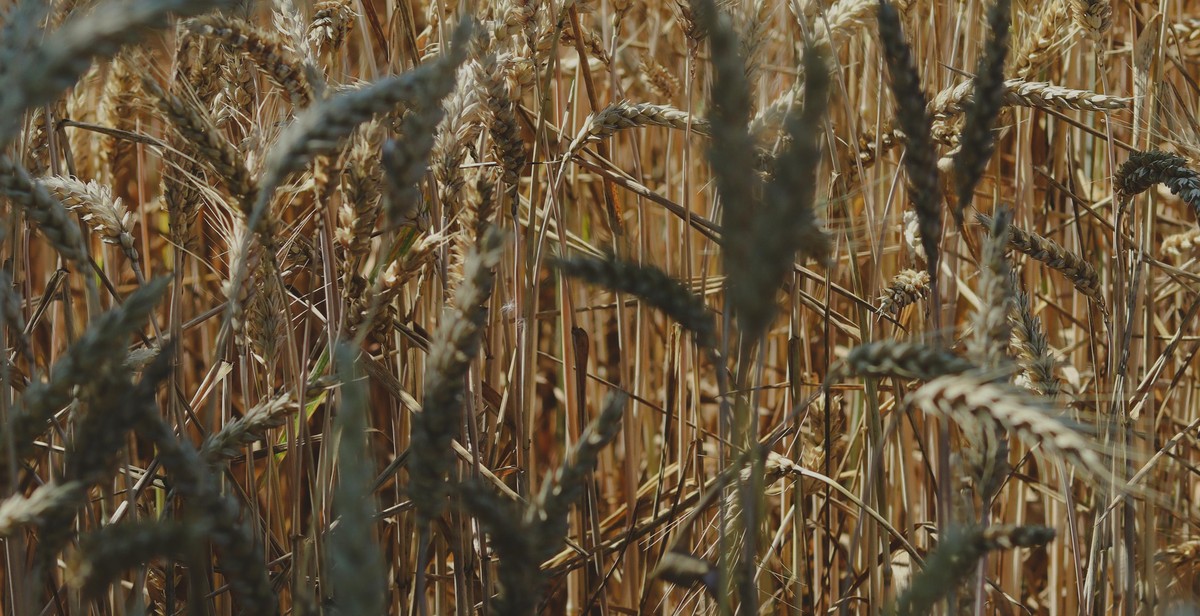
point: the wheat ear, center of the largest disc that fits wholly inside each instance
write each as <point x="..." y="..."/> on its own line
<point x="1073" y="266"/>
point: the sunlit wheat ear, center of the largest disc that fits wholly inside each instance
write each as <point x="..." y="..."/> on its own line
<point x="989" y="345"/>
<point x="460" y="125"/>
<point x="361" y="192"/>
<point x="1145" y="169"/>
<point x="18" y="512"/>
<point x="355" y="570"/>
<point x="972" y="399"/>
<point x="920" y="154"/>
<point x="1021" y="93"/>
<point x="507" y="145"/>
<point x="978" y="140"/>
<point x="103" y="213"/>
<point x="1033" y="349"/>
<point x="230" y="440"/>
<point x="907" y="360"/>
<point x="1077" y="269"/>
<point x="1094" y="17"/>
<point x="907" y="288"/>
<point x="625" y="115"/>
<point x="958" y="550"/>
<point x="1038" y="45"/>
<point x="454" y="346"/>
<point x="332" y="22"/>
<point x="65" y="54"/>
<point x="281" y="65"/>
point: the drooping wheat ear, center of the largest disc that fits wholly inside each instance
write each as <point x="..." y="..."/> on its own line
<point x="1180" y="245"/>
<point x="18" y="511"/>
<point x="974" y="399"/>
<point x="454" y="346"/>
<point x="103" y="213"/>
<point x="520" y="574"/>
<point x="1039" y="42"/>
<point x="361" y="186"/>
<point x="65" y="54"/>
<point x="215" y="516"/>
<point x="977" y="139"/>
<point x="1033" y="348"/>
<point x="118" y="109"/>
<point x="906" y="360"/>
<point x="906" y="288"/>
<point x="507" y="145"/>
<point x="321" y="129"/>
<point x="1078" y="270"/>
<point x="623" y="115"/>
<point x="44" y="210"/>
<point x="460" y="124"/>
<point x="104" y="343"/>
<point x="202" y="135"/>
<point x="955" y="558"/>
<point x="650" y="285"/>
<point x="331" y="24"/>
<point x="1145" y="169"/>
<point x="104" y="554"/>
<point x="1094" y="17"/>
<point x="658" y="78"/>
<point x="274" y="59"/>
<point x="355" y="568"/>
<point x="920" y="154"/>
<point x="1020" y="93"/>
<point x="236" y="434"/>
<point x="546" y="517"/>
<point x="989" y="344"/>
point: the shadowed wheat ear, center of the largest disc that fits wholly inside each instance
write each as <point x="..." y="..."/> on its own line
<point x="974" y="400"/>
<point x="1145" y="169"/>
<point x="65" y="54"/>
<point x="355" y="569"/>
<point x="649" y="284"/>
<point x="920" y="155"/>
<point x="104" y="343"/>
<point x="977" y="139"/>
<point x="454" y="346"/>
<point x="955" y="558"/>
<point x="1073" y="266"/>
<point x="908" y="360"/>
<point x="18" y="511"/>
<point x="989" y="344"/>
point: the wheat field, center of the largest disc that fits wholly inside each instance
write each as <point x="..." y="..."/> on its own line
<point x="514" y="307"/>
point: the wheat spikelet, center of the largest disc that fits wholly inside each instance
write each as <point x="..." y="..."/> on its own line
<point x="651" y="285"/>
<point x="1143" y="170"/>
<point x="331" y="23"/>
<point x="920" y="162"/>
<point x="270" y="413"/>
<point x="1073" y="266"/>
<point x="623" y="115"/>
<point x="104" y="213"/>
<point x="906" y="288"/>
<point x="66" y="53"/>
<point x="1180" y="245"/>
<point x="658" y="78"/>
<point x="908" y="360"/>
<point x="1094" y="17"/>
<point x="972" y="399"/>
